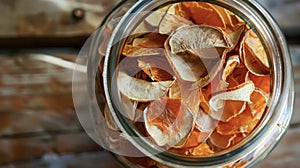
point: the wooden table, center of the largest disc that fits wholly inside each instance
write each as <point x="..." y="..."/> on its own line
<point x="39" y="128"/>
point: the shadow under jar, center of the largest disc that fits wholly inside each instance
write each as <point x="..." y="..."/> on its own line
<point x="190" y="83"/>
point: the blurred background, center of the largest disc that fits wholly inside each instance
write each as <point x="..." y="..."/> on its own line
<point x="39" y="41"/>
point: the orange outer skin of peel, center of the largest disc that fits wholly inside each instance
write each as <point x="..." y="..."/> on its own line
<point x="204" y="13"/>
<point x="243" y="123"/>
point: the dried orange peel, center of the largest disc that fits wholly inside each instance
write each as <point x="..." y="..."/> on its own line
<point x="243" y="123"/>
<point x="239" y="93"/>
<point x="174" y="18"/>
<point x="203" y="80"/>
<point x="141" y="90"/>
<point x="168" y="121"/>
<point x="253" y="54"/>
<point x="204" y="13"/>
<point x="156" y="67"/>
<point x="201" y="41"/>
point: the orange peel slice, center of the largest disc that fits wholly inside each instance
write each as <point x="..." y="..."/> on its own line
<point x="254" y="54"/>
<point x="143" y="28"/>
<point x="231" y="109"/>
<point x="194" y="69"/>
<point x="241" y="92"/>
<point x="259" y="103"/>
<point x="182" y="90"/>
<point x="231" y="64"/>
<point x="238" y="138"/>
<point x="151" y="40"/>
<point x="201" y="150"/>
<point x="235" y="34"/>
<point x="204" y="13"/>
<point x="216" y="85"/>
<point x="173" y="19"/>
<point x="156" y="67"/>
<point x="168" y="121"/>
<point x="221" y="141"/>
<point x="138" y="51"/>
<point x="255" y="45"/>
<point x="195" y="138"/>
<point x="204" y="122"/>
<point x="243" y="123"/>
<point x="204" y="97"/>
<point x="151" y="22"/>
<point x="141" y="90"/>
<point x="187" y="67"/>
<point x="240" y="73"/>
<point x="261" y="82"/>
<point x="175" y="91"/>
<point x="191" y="98"/>
<point x="202" y="41"/>
<point x="155" y="17"/>
<point x="179" y="9"/>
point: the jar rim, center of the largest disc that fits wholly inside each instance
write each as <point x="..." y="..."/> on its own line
<point x="269" y="32"/>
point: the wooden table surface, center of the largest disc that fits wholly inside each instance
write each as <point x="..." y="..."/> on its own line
<point x="39" y="127"/>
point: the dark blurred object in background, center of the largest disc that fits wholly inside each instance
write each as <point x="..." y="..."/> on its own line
<point x="50" y="23"/>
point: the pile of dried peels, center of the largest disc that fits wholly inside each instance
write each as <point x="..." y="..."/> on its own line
<point x="196" y="76"/>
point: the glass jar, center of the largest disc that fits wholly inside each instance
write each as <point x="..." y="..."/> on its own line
<point x="102" y="53"/>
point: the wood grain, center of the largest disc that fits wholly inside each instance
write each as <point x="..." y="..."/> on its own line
<point x="33" y="18"/>
<point x="37" y="114"/>
<point x="16" y="149"/>
<point x="38" y="124"/>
